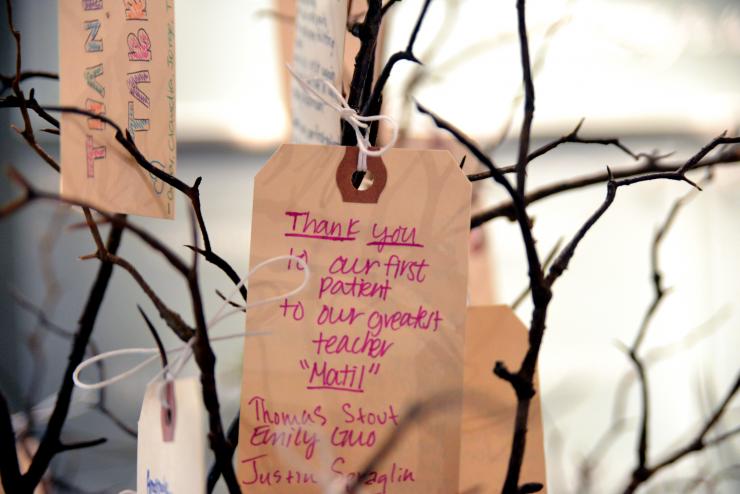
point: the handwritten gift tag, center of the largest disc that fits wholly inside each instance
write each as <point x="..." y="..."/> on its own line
<point x="318" y="53"/>
<point x="171" y="447"/>
<point x="378" y="328"/>
<point x="495" y="333"/>
<point x="117" y="58"/>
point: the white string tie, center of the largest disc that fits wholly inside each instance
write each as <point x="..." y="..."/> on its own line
<point x="170" y="371"/>
<point x="359" y="123"/>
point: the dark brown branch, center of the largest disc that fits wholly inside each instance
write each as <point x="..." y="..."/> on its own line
<point x="619" y="420"/>
<point x="57" y="330"/>
<point x="173" y="320"/>
<point x="545" y="264"/>
<point x="206" y="360"/>
<point x="699" y="442"/>
<point x="80" y="445"/>
<point x="27" y="132"/>
<point x="535" y="269"/>
<point x="6" y="81"/>
<point x="202" y="350"/>
<point x="155" y="335"/>
<point x="50" y="440"/>
<point x="572" y="137"/>
<point x="230" y="302"/>
<point x="14" y="101"/>
<point x="10" y="472"/>
<point x="642" y="442"/>
<point x="373" y="103"/>
<point x="522" y="380"/>
<point x="367" y="31"/>
<point x="214" y="474"/>
<point x="561" y="263"/>
<point x="507" y="209"/>
<point x="191" y="192"/>
<point x="524" y="134"/>
<point x="563" y="259"/>
<point x="224" y="266"/>
<point x="659" y="294"/>
<point x="388" y="5"/>
<point x="541" y="294"/>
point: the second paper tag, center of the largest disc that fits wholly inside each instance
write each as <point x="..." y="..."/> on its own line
<point x="117" y="59"/>
<point x="378" y="329"/>
<point x="171" y="447"/>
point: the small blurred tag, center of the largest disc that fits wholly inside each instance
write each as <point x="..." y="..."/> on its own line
<point x="493" y="332"/>
<point x="176" y="466"/>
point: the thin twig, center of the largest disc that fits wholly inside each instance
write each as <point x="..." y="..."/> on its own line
<point x="124" y="138"/>
<point x="571" y="137"/>
<point x="367" y="31"/>
<point x="373" y="103"/>
<point x="698" y="443"/>
<point x="155" y="335"/>
<point x="507" y="209"/>
<point x="48" y="446"/>
<point x="548" y="260"/>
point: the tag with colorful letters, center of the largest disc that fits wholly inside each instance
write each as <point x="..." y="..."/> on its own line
<point x="378" y="329"/>
<point x="117" y="59"/>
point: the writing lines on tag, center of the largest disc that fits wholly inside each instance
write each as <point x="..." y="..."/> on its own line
<point x="378" y="329"/>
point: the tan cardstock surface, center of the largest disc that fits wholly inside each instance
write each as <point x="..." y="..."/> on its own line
<point x="117" y="57"/>
<point x="494" y="333"/>
<point x="176" y="466"/>
<point x="378" y="328"/>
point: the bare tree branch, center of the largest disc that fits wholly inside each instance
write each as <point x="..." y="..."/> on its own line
<point x="524" y="134"/>
<point x="80" y="445"/>
<point x="372" y="106"/>
<point x="7" y="81"/>
<point x="699" y="442"/>
<point x="50" y="440"/>
<point x="508" y="210"/>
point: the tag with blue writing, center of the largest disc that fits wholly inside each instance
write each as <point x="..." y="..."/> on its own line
<point x="117" y="58"/>
<point x="171" y="449"/>
<point x="378" y="329"/>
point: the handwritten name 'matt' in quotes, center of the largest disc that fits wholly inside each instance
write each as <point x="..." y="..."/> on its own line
<point x="117" y="59"/>
<point x="346" y="330"/>
<point x="378" y="328"/>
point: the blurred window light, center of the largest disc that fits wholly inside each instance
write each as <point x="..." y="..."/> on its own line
<point x="631" y="67"/>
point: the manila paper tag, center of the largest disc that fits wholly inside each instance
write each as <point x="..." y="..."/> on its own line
<point x="171" y="449"/>
<point x="378" y="329"/>
<point x="492" y="333"/>
<point x="117" y="58"/>
<point x="318" y="52"/>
